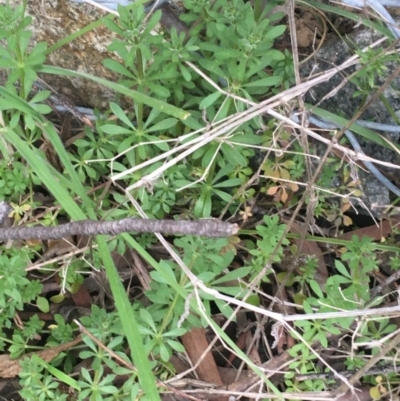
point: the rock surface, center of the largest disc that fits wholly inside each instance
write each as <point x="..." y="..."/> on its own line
<point x="56" y="19"/>
<point x="376" y="196"/>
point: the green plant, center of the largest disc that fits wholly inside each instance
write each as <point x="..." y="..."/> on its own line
<point x="184" y="87"/>
<point x="38" y="384"/>
<point x="373" y="61"/>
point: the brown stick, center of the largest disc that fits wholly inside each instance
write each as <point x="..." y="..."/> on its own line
<point x="206" y="228"/>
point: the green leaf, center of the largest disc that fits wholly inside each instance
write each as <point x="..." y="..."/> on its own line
<point x="117" y="110"/>
<point x="234" y="274"/>
<point x="57" y="299"/>
<point x="229" y="183"/>
<point x="342" y="269"/>
<point x="135" y="95"/>
<point x="164" y="353"/>
<point x="176" y="332"/>
<point x="222" y="53"/>
<point x="223" y="195"/>
<point x="42" y="108"/>
<point x="43" y="304"/>
<point x="46" y="174"/>
<point x="234" y="153"/>
<point x="275" y="32"/>
<point x="129" y="324"/>
<point x="210" y="100"/>
<point x="115" y="342"/>
<point x="166" y="277"/>
<point x="205" y="276"/>
<point x="175" y="345"/>
<point x="259" y="66"/>
<point x="253" y="299"/>
<point x="113" y="129"/>
<point x="118" y="68"/>
<point x="147" y="318"/>
<point x="270" y="81"/>
<point x="68" y="380"/>
<point x="12" y="101"/>
<point x="185" y="73"/>
<point x="212" y="66"/>
<point x="202" y="208"/>
<point x="316" y="288"/>
<point x="159" y="90"/>
<point x="7" y="63"/>
<point x="288" y="278"/>
<point x="163" y="125"/>
<point x="225" y="309"/>
<point x="247" y="138"/>
<point x="40" y="97"/>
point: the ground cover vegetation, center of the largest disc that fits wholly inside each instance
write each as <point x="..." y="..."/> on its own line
<point x="193" y="145"/>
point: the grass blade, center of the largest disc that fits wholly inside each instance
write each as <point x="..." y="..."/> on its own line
<point x="137" y="96"/>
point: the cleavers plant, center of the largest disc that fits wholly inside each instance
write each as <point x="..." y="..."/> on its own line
<point x="232" y="48"/>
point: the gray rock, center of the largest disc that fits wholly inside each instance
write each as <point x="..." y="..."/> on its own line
<point x="53" y="20"/>
<point x="376" y="196"/>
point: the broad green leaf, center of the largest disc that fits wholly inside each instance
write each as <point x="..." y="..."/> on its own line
<point x="43" y="304"/>
<point x="159" y="90"/>
<point x="206" y="277"/>
<point x="185" y="73"/>
<point x="316" y="288"/>
<point x="342" y="269"/>
<point x="225" y="309"/>
<point x="253" y="299"/>
<point x="212" y="66"/>
<point x="57" y="299"/>
<point x="42" y="108"/>
<point x="163" y="125"/>
<point x="176" y="332"/>
<point x="7" y="63"/>
<point x="175" y="345"/>
<point x="260" y="65"/>
<point x="210" y="100"/>
<point x="147" y="318"/>
<point x="275" y="32"/>
<point x="234" y="153"/>
<point x="223" y="195"/>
